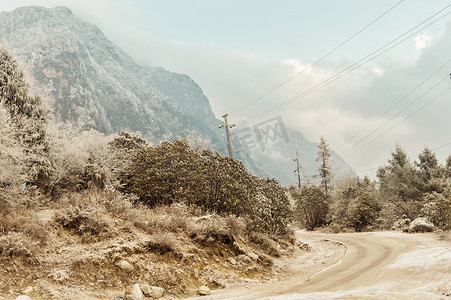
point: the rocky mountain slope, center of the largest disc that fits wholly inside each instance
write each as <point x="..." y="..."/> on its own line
<point x="96" y="84"/>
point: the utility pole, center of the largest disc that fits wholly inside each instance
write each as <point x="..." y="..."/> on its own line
<point x="298" y="169"/>
<point x="227" y="126"/>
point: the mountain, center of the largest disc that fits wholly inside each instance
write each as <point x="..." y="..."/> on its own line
<point x="96" y="84"/>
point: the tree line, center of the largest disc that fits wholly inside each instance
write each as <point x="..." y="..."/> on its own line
<point x="404" y="190"/>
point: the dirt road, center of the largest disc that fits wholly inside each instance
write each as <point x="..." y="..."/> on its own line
<point x="374" y="266"/>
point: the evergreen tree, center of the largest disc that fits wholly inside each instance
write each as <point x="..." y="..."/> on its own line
<point x="447" y="168"/>
<point x="398" y="159"/>
<point x="401" y="185"/>
<point x="428" y="165"/>
<point x="324" y="169"/>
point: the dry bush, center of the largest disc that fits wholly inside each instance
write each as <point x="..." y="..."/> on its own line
<point x="162" y="243"/>
<point x="334" y="228"/>
<point x="265" y="243"/>
<point x="17" y="245"/>
<point x="236" y="225"/>
<point x="20" y="220"/>
<point x="87" y="221"/>
<point x="176" y="218"/>
<point x="210" y="225"/>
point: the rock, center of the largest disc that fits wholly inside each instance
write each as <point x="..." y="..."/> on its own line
<point x="244" y="258"/>
<point x="421" y="225"/>
<point x="232" y="260"/>
<point x="255" y="269"/>
<point x="196" y="273"/>
<point x="152" y="291"/>
<point x="23" y="297"/>
<point x="125" y="265"/>
<point x="59" y="275"/>
<point x="252" y="255"/>
<point x="28" y="290"/>
<point x="134" y="293"/>
<point x="303" y="246"/>
<point x="204" y="290"/>
<point x="265" y="259"/>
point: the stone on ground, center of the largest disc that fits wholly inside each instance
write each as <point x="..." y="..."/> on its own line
<point x="125" y="265"/>
<point x="134" y="293"/>
<point x="421" y="225"/>
<point x="152" y="291"/>
<point x="204" y="291"/>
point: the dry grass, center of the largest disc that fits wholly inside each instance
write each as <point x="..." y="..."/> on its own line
<point x="84" y="230"/>
<point x="265" y="243"/>
<point x="86" y="221"/>
<point x="17" y="245"/>
<point x="163" y="243"/>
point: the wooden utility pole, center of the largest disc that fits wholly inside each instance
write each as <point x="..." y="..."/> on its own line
<point x="227" y="126"/>
<point x="298" y="169"/>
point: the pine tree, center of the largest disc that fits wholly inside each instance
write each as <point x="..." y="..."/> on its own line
<point x="401" y="185"/>
<point x="324" y="169"/>
<point x="399" y="159"/>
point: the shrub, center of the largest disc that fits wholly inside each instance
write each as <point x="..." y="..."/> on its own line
<point x="88" y="222"/>
<point x="362" y="211"/>
<point x="438" y="210"/>
<point x="174" y="173"/>
<point x="17" y="245"/>
<point x="162" y="243"/>
<point x="265" y="243"/>
<point x="311" y="206"/>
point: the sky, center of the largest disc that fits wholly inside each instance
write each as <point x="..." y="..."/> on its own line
<point x="329" y="65"/>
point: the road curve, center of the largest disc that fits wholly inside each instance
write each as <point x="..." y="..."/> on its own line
<point x="367" y="255"/>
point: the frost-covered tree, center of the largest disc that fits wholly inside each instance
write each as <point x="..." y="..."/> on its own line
<point x="12" y="157"/>
<point x="28" y="116"/>
<point x="428" y="165"/>
<point x="81" y="159"/>
<point x="400" y="185"/>
<point x="325" y="171"/>
<point x="312" y="206"/>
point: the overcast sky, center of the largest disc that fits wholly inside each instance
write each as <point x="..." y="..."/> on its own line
<point x="238" y="51"/>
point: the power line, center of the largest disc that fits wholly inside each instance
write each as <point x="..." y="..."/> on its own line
<point x="391" y="107"/>
<point x="428" y="103"/>
<point x="318" y="60"/>
<point x="398" y="113"/>
<point x="355" y="65"/>
<point x="364" y="71"/>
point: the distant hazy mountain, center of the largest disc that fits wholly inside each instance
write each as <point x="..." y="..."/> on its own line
<point x="96" y="83"/>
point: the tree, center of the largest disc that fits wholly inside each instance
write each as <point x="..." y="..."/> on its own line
<point x="312" y="206"/>
<point x="271" y="207"/>
<point x="447" y="168"/>
<point x="164" y="174"/>
<point x="398" y="159"/>
<point x="324" y="169"/>
<point x="437" y="209"/>
<point x="355" y="205"/>
<point x="12" y="156"/>
<point x="28" y="118"/>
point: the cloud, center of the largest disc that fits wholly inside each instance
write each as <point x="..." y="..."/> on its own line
<point x="423" y="41"/>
